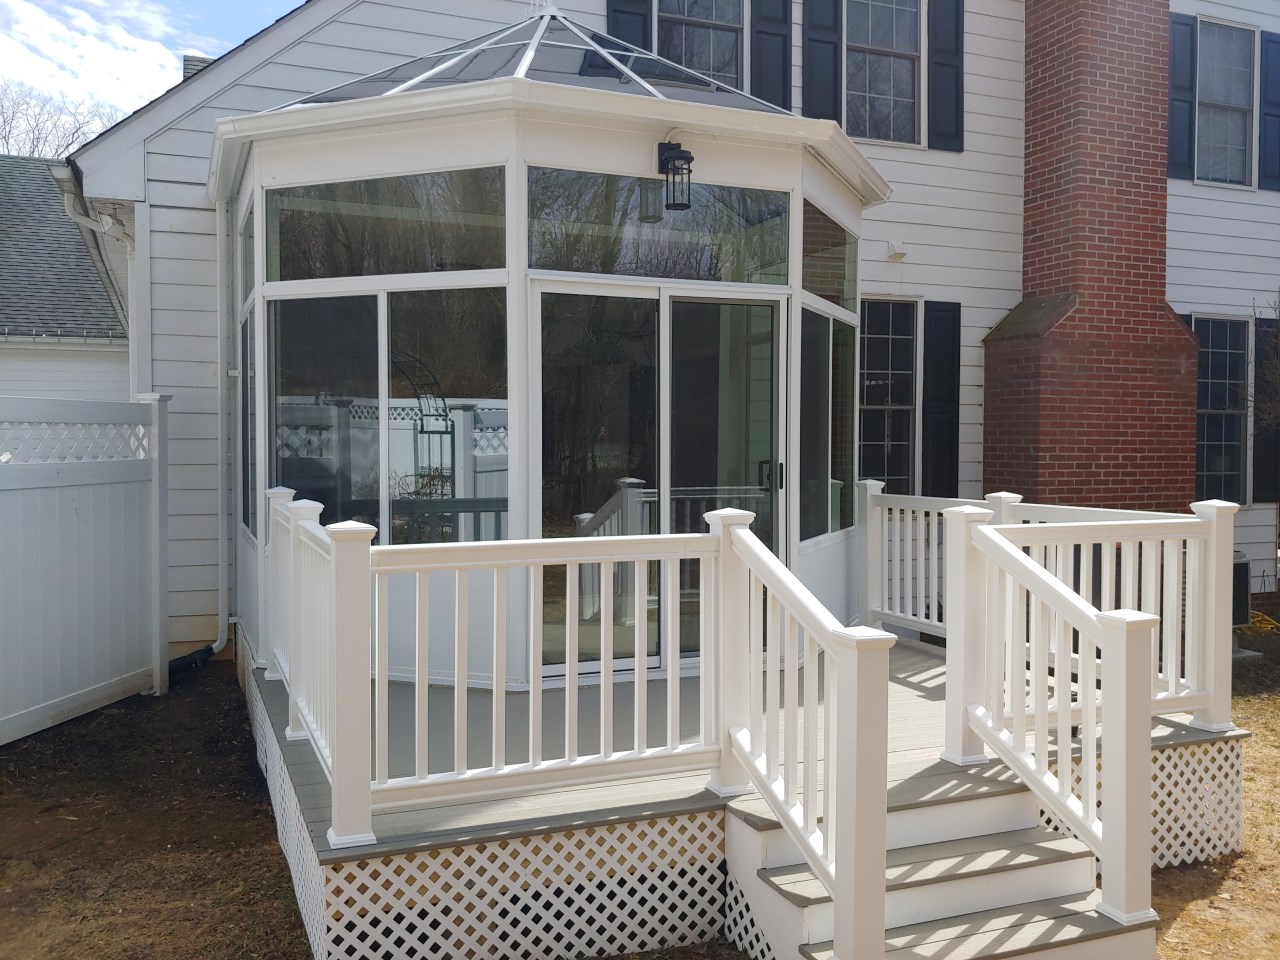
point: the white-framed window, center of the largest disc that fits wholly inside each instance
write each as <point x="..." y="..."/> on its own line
<point x="705" y="36"/>
<point x="1226" y="88"/>
<point x="1222" y="390"/>
<point x="888" y="395"/>
<point x="883" y="72"/>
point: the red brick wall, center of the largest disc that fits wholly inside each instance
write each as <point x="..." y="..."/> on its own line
<point x="1099" y="406"/>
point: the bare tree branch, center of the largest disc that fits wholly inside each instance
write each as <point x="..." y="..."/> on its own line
<point x="38" y="124"/>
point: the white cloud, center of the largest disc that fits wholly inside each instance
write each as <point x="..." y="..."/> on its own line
<point x="122" y="52"/>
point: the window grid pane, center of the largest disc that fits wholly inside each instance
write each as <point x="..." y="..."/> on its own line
<point x="1220" y="392"/>
<point x="704" y="36"/>
<point x="882" y="65"/>
<point x="888" y="394"/>
<point x="1224" y="118"/>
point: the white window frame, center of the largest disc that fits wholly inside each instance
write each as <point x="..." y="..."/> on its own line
<point x="744" y="39"/>
<point x="917" y="385"/>
<point x="1255" y="110"/>
<point x="922" y="85"/>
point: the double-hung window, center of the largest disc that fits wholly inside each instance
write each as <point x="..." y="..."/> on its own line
<point x="882" y="70"/>
<point x="1224" y="107"/>
<point x="887" y="433"/>
<point x="703" y="35"/>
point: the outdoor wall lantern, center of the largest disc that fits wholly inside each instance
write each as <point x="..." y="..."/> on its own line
<point x="676" y="164"/>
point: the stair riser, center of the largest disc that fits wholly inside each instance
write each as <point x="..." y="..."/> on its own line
<point x="990" y="891"/>
<point x="1137" y="945"/>
<point x="784" y="924"/>
<point x="906" y="828"/>
<point x="962" y="819"/>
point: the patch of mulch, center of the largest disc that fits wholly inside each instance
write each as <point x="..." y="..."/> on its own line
<point x="144" y="830"/>
<point x="1231" y="907"/>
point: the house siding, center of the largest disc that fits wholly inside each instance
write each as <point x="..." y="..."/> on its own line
<point x="1224" y="259"/>
<point x="66" y="371"/>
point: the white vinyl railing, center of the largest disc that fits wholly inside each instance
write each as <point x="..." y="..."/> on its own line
<point x="1014" y="627"/>
<point x="811" y="729"/>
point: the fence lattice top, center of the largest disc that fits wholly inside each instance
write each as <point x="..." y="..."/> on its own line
<point x="27" y="441"/>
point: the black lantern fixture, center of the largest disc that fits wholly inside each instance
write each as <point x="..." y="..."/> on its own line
<point x="676" y="164"/>
<point x="650" y="201"/>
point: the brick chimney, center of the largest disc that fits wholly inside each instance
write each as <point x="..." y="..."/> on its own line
<point x="1091" y="381"/>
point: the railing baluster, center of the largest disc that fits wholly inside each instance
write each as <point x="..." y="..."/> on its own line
<point x="1089" y="728"/>
<point x="641" y="588"/>
<point x="1040" y="682"/>
<point x="755" y="659"/>
<point x="913" y="607"/>
<point x="606" y="658"/>
<point x="500" y="578"/>
<point x="1185" y="617"/>
<point x="772" y="676"/>
<point x="1108" y="577"/>
<point x="535" y="664"/>
<point x="1062" y="690"/>
<point x="1129" y="574"/>
<point x="571" y="623"/>
<point x="709" y="653"/>
<point x="461" y="647"/>
<point x="421" y="676"/>
<point x="672" y="604"/>
<point x="1150" y="602"/>
<point x="812" y="761"/>
<point x="382" y="652"/>
<point x="791" y="694"/>
<point x="1018" y="663"/>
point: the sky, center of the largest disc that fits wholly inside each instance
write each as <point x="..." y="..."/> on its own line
<point x="122" y="52"/>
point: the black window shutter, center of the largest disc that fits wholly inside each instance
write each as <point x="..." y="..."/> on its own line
<point x="1269" y="122"/>
<point x="1266" y="439"/>
<point x="631" y="20"/>
<point x="771" y="51"/>
<point x="940" y="401"/>
<point x="946" y="75"/>
<point x="822" y="48"/>
<point x="1182" y="97"/>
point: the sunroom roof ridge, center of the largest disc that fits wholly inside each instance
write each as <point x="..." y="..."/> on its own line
<point x="535" y="54"/>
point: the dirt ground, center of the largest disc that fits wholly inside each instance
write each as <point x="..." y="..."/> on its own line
<point x="144" y="831"/>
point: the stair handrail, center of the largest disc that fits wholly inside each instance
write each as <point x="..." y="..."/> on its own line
<point x="1012" y="628"/>
<point x="768" y="618"/>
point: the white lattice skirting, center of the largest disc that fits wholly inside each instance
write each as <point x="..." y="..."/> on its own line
<point x="740" y="926"/>
<point x="1197" y="796"/>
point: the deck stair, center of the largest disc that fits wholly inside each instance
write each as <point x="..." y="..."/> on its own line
<point x="972" y="873"/>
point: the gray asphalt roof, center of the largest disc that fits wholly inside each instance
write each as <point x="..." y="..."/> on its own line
<point x="49" y="284"/>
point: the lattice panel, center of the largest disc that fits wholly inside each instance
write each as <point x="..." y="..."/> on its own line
<point x="291" y="827"/>
<point x="490" y="441"/>
<point x="1197" y="794"/>
<point x="303" y="442"/>
<point x="29" y="441"/>
<point x="740" y="926"/>
<point x="597" y="891"/>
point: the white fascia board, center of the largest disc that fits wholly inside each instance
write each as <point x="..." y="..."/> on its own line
<point x="112" y="166"/>
<point x="531" y="98"/>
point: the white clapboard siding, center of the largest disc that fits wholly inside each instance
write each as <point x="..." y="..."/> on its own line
<point x="68" y="371"/>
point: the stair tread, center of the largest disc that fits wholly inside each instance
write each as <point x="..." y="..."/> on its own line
<point x="945" y="784"/>
<point x="994" y="934"/>
<point x="939" y="862"/>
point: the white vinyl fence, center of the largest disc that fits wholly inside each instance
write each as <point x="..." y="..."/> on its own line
<point x="82" y="557"/>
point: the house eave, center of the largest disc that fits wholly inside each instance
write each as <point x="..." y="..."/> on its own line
<point x="530" y="98"/>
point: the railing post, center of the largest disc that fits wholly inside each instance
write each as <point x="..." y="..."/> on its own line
<point x="868" y="578"/>
<point x="731" y="663"/>
<point x="1000" y="504"/>
<point x="1126" y="765"/>
<point x="632" y="520"/>
<point x="351" y="749"/>
<point x="1215" y="626"/>
<point x="965" y="588"/>
<point x="158" y="448"/>
<point x="299" y="510"/>
<point x="860" y="728"/>
<point x="271" y="634"/>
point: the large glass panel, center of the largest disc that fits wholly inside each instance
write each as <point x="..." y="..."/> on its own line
<point x="597" y="223"/>
<point x="324" y="403"/>
<point x="830" y="263"/>
<point x="423" y="223"/>
<point x="723" y="413"/>
<point x="447" y="429"/>
<point x="599" y="456"/>
<point x="827" y="394"/>
<point x="248" y="427"/>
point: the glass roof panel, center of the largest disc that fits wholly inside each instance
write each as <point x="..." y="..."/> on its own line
<point x="563" y="52"/>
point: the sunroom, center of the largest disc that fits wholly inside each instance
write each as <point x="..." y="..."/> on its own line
<point x="543" y="284"/>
